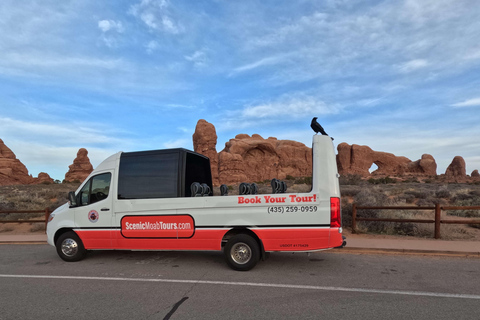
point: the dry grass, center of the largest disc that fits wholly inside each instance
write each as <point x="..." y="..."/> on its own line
<point x="411" y="194"/>
<point x="34" y="197"/>
<point x="31" y="197"/>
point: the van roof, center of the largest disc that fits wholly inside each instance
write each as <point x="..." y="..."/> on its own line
<point x="161" y="151"/>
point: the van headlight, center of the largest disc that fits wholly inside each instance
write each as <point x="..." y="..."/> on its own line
<point x="50" y="217"/>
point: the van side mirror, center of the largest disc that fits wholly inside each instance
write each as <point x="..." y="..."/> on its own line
<point x="72" y="198"/>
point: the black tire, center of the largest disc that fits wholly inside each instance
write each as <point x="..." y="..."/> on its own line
<point x="70" y="248"/>
<point x="242" y="252"/>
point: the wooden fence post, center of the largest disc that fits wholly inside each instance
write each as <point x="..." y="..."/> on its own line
<point x="354" y="218"/>
<point x="438" y="216"/>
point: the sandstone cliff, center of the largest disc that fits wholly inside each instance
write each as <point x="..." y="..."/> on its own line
<point x="251" y="158"/>
<point x="12" y="171"/>
<point x="355" y="159"/>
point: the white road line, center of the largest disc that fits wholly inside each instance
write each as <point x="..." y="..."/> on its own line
<point x="252" y="284"/>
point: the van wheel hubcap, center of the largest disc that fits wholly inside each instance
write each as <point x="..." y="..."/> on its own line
<point x="69" y="247"/>
<point x="241" y="253"/>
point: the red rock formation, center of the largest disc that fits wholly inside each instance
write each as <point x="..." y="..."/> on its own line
<point x="425" y="166"/>
<point x="204" y="142"/>
<point x="253" y="158"/>
<point x="475" y="174"/>
<point x="357" y="159"/>
<point x="81" y="167"/>
<point x="249" y="159"/>
<point x="43" y="178"/>
<point x="456" y="171"/>
<point x="12" y="171"/>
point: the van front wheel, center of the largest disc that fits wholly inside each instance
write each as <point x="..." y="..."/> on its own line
<point x="242" y="252"/>
<point x="70" y="248"/>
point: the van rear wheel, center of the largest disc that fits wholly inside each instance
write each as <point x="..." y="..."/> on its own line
<point x="70" y="248"/>
<point x="242" y="252"/>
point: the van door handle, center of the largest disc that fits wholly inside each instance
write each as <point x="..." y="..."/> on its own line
<point x="105" y="209"/>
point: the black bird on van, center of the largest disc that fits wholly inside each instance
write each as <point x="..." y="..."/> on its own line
<point x="317" y="127"/>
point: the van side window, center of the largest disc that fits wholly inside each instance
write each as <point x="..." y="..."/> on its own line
<point x="148" y="175"/>
<point x="96" y="189"/>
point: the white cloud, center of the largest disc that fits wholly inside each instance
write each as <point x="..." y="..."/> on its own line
<point x="425" y="11"/>
<point x="292" y="106"/>
<point x="110" y="30"/>
<point x="198" y="58"/>
<point x="179" y="106"/>
<point x="156" y="16"/>
<point x="369" y="102"/>
<point x="51" y="148"/>
<point x="56" y="62"/>
<point x="260" y="63"/>
<point x="473" y="54"/>
<point x="468" y="103"/>
<point x="412" y="65"/>
<point x="152" y="46"/>
<point x="179" y="143"/>
<point x="58" y="134"/>
<point x="110" y="25"/>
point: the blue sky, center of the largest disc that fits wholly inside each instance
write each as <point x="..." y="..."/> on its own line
<point x="399" y="76"/>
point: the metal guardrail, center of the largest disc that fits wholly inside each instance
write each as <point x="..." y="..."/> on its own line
<point x="437" y="219"/>
<point x="45" y="220"/>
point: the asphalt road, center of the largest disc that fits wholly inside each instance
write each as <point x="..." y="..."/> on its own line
<point x="36" y="284"/>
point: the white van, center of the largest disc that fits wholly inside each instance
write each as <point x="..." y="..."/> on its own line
<point x="161" y="200"/>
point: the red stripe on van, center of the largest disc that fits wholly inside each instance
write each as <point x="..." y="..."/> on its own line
<point x="294" y="239"/>
<point x="288" y="239"/>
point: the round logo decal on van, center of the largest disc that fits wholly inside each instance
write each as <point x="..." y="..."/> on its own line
<point x="93" y="216"/>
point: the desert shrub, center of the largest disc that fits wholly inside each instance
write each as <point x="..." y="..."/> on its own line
<point x="385" y="180"/>
<point x="419" y="194"/>
<point x="37" y="227"/>
<point x="303" y="180"/>
<point x="466" y="213"/>
<point x="350" y="191"/>
<point x="466" y="194"/>
<point x="463" y="197"/>
<point x="289" y="177"/>
<point x="377" y="198"/>
<point x="346" y="213"/>
<point x="407" y="198"/>
<point x="350" y="179"/>
<point x="443" y="192"/>
<point x="298" y="188"/>
<point x="475" y="193"/>
<point x="372" y="197"/>
<point x="7" y="205"/>
<point x="6" y="228"/>
<point x="34" y="197"/>
<point x="431" y="201"/>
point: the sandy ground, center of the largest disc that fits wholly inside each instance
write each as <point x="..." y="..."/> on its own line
<point x="22" y="228"/>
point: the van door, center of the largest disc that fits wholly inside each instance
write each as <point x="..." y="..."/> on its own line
<point x="93" y="216"/>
